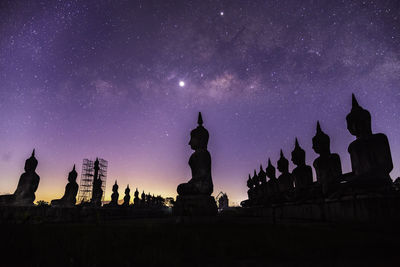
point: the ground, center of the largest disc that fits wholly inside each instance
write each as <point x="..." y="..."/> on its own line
<point x="220" y="242"/>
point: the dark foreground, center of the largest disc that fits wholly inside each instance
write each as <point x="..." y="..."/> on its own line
<point x="222" y="242"/>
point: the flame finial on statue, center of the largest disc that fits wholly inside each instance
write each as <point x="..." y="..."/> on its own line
<point x="200" y="119"/>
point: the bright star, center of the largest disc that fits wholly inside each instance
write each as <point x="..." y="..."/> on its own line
<point x="221" y="13"/>
<point x="181" y="83"/>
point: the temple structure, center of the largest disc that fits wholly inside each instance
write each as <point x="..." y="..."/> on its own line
<point x="194" y="197"/>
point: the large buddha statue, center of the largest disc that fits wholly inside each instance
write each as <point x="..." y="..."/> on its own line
<point x="71" y="190"/>
<point x="194" y="197"/>
<point x="371" y="160"/>
<point x="200" y="164"/>
<point x="302" y="174"/>
<point x="285" y="180"/>
<point x="327" y="166"/>
<point x="97" y="191"/>
<point x="127" y="197"/>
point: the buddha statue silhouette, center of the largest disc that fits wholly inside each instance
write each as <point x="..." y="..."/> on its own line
<point x="273" y="190"/>
<point x="194" y="197"/>
<point x="28" y="183"/>
<point x="370" y="155"/>
<point x="285" y="180"/>
<point x="200" y="164"/>
<point x="302" y="174"/>
<point x="71" y="190"/>
<point x="327" y="166"/>
<point x="97" y="191"/>
<point x="114" y="196"/>
<point x="136" y="200"/>
<point x="127" y="197"/>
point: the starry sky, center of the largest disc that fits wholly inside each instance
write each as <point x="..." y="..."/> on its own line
<point x="124" y="80"/>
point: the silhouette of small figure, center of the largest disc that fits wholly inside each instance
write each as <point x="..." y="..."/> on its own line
<point x="273" y="189"/>
<point x="143" y="199"/>
<point x="136" y="200"/>
<point x="71" y="190"/>
<point x="285" y="180"/>
<point x="127" y="197"/>
<point x="257" y="188"/>
<point x="97" y="191"/>
<point x="370" y="155"/>
<point x="28" y="183"/>
<point x="194" y="197"/>
<point x="327" y="166"/>
<point x="250" y="185"/>
<point x="114" y="196"/>
<point x="302" y="174"/>
<point x="200" y="164"/>
<point x="262" y="178"/>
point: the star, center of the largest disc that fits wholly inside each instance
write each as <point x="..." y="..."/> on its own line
<point x="181" y="83"/>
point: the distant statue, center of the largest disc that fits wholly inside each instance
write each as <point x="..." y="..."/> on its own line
<point x="136" y="200"/>
<point x="97" y="191"/>
<point x="327" y="166"/>
<point x="28" y="183"/>
<point x="302" y="174"/>
<point x="262" y="176"/>
<point x="127" y="197"/>
<point x="250" y="185"/>
<point x="194" y="197"/>
<point x="71" y="190"/>
<point x="200" y="164"/>
<point x="114" y="196"/>
<point x="285" y="180"/>
<point x="371" y="160"/>
<point x="273" y="189"/>
<point x="143" y="199"/>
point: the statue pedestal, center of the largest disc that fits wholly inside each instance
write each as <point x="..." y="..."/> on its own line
<point x="195" y="205"/>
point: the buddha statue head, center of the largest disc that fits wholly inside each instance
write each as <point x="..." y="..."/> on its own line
<point x="261" y="172"/>
<point x="321" y="141"/>
<point x="127" y="190"/>
<point x="358" y="120"/>
<point x="249" y="182"/>
<point x="283" y="163"/>
<point x="31" y="163"/>
<point x="298" y="154"/>
<point x="96" y="164"/>
<point x="270" y="170"/>
<point x="115" y="187"/>
<point x="199" y="136"/>
<point x="72" y="175"/>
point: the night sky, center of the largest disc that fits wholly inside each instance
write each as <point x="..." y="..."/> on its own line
<point x="124" y="80"/>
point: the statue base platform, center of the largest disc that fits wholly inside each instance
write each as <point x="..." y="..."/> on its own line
<point x="195" y="205"/>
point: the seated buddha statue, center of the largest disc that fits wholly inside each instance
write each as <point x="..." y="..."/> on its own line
<point x="302" y="174"/>
<point x="251" y="188"/>
<point x="97" y="191"/>
<point x="127" y="197"/>
<point x="71" y="190"/>
<point x="28" y="183"/>
<point x="327" y="166"/>
<point x="285" y="180"/>
<point x="370" y="155"/>
<point x="136" y="199"/>
<point x="114" y="196"/>
<point x="200" y="164"/>
<point x="273" y="190"/>
<point x="262" y="178"/>
<point x="143" y="199"/>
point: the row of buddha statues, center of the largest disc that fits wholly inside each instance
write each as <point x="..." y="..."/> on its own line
<point x="371" y="163"/>
<point x="28" y="183"/>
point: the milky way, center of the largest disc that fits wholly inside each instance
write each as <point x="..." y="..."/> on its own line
<point x="124" y="80"/>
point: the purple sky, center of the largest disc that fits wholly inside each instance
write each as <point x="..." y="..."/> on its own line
<point x="102" y="78"/>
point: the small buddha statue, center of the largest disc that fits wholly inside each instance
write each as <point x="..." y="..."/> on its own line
<point x="262" y="176"/>
<point x="127" y="197"/>
<point x="200" y="164"/>
<point x="136" y="199"/>
<point x="114" y="195"/>
<point x="71" y="190"/>
<point x="143" y="199"/>
<point x="302" y="174"/>
<point x="251" y="188"/>
<point x="327" y="166"/>
<point x="28" y="183"/>
<point x="273" y="189"/>
<point x="97" y="191"/>
<point x="370" y="155"/>
<point x="285" y="180"/>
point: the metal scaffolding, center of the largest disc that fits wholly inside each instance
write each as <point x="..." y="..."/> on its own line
<point x="86" y="184"/>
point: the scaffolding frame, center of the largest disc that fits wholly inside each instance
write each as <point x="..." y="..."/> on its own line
<point x="86" y="183"/>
